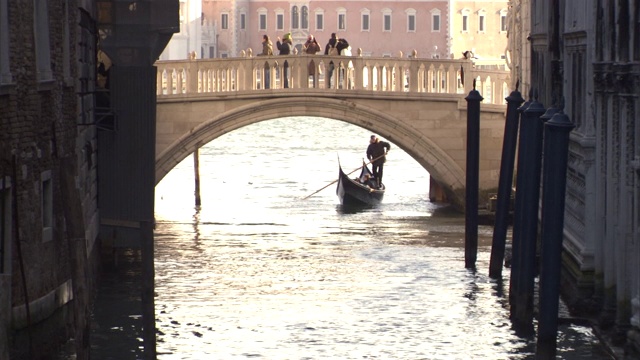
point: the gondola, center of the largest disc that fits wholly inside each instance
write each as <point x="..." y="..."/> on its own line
<point x="352" y="192"/>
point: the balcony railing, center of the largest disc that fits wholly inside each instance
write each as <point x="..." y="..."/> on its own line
<point x="269" y="73"/>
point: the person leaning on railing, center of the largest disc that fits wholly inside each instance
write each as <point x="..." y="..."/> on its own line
<point x="332" y="50"/>
<point x="267" y="50"/>
<point x="311" y="47"/>
<point x="284" y="48"/>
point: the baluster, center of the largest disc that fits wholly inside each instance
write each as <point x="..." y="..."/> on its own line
<point x="192" y="76"/>
<point x="159" y="81"/>
<point x="170" y="81"/>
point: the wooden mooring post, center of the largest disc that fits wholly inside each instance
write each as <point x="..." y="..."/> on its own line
<point x="472" y="179"/>
<point x="554" y="179"/>
<point x="529" y="192"/>
<point x="505" y="182"/>
<point x="196" y="170"/>
<point x="517" y="213"/>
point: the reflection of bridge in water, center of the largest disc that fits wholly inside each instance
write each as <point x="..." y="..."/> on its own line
<point x="418" y="104"/>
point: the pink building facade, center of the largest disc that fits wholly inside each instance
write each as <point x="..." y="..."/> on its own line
<point x="379" y="28"/>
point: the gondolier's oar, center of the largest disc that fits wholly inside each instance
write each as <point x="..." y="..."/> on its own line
<point x="336" y="180"/>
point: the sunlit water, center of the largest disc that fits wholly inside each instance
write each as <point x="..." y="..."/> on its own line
<point x="261" y="272"/>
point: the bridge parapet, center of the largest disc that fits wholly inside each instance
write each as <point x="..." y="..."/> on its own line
<point x="375" y="74"/>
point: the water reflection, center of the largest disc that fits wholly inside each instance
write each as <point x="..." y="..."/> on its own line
<point x="256" y="272"/>
<point x="354" y="209"/>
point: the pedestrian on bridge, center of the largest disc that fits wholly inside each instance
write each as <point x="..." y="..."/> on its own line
<point x="267" y="46"/>
<point x="331" y="50"/>
<point x="267" y="50"/>
<point x="376" y="152"/>
<point x="285" y="49"/>
<point x="311" y="47"/>
<point x="344" y="49"/>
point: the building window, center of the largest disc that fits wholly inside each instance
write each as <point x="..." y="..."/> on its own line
<point x="304" y="20"/>
<point x="386" y="20"/>
<point x="224" y="22"/>
<point x="262" y="19"/>
<point x="319" y="21"/>
<point x="280" y="22"/>
<point x="503" y="20"/>
<point x="481" y="18"/>
<point x="365" y="22"/>
<point x="5" y="70"/>
<point x="342" y="22"/>
<point x="243" y="21"/>
<point x="46" y="205"/>
<point x="42" y="42"/>
<point x="5" y="225"/>
<point x="411" y="23"/>
<point x="435" y="20"/>
<point x="387" y="23"/>
<point x="465" y="19"/>
<point x="295" y="18"/>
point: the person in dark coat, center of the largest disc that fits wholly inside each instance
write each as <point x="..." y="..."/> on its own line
<point x="285" y="47"/>
<point x="331" y="49"/>
<point x="376" y="152"/>
<point x="341" y="45"/>
<point x="311" y="47"/>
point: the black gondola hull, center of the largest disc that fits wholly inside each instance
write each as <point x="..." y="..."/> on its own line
<point x="352" y="193"/>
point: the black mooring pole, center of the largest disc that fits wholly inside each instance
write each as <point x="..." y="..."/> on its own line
<point x="505" y="182"/>
<point x="473" y="158"/>
<point x="514" y="284"/>
<point x="556" y="148"/>
<point x="532" y="130"/>
<point x="196" y="170"/>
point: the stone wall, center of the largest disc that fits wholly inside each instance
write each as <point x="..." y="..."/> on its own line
<point x="45" y="155"/>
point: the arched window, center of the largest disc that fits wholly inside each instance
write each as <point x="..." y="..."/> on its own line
<point x="295" y="18"/>
<point x="305" y="18"/>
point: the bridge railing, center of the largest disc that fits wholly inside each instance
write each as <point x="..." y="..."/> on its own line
<point x="386" y="74"/>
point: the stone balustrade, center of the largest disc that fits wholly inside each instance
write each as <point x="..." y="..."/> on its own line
<point x="376" y="74"/>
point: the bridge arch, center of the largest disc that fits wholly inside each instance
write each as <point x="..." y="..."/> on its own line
<point x="442" y="168"/>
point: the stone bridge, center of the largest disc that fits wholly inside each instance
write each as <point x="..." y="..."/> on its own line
<point x="418" y="104"/>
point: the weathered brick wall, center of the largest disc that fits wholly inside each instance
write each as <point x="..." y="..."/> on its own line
<point x="39" y="131"/>
<point x="38" y="134"/>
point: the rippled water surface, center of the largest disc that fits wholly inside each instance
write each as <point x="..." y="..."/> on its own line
<point x="258" y="272"/>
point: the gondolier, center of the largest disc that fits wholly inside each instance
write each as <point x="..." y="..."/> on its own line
<point x="376" y="152"/>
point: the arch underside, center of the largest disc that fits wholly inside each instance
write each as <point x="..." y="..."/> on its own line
<point x="432" y="158"/>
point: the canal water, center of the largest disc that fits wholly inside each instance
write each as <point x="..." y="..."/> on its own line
<point x="261" y="272"/>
